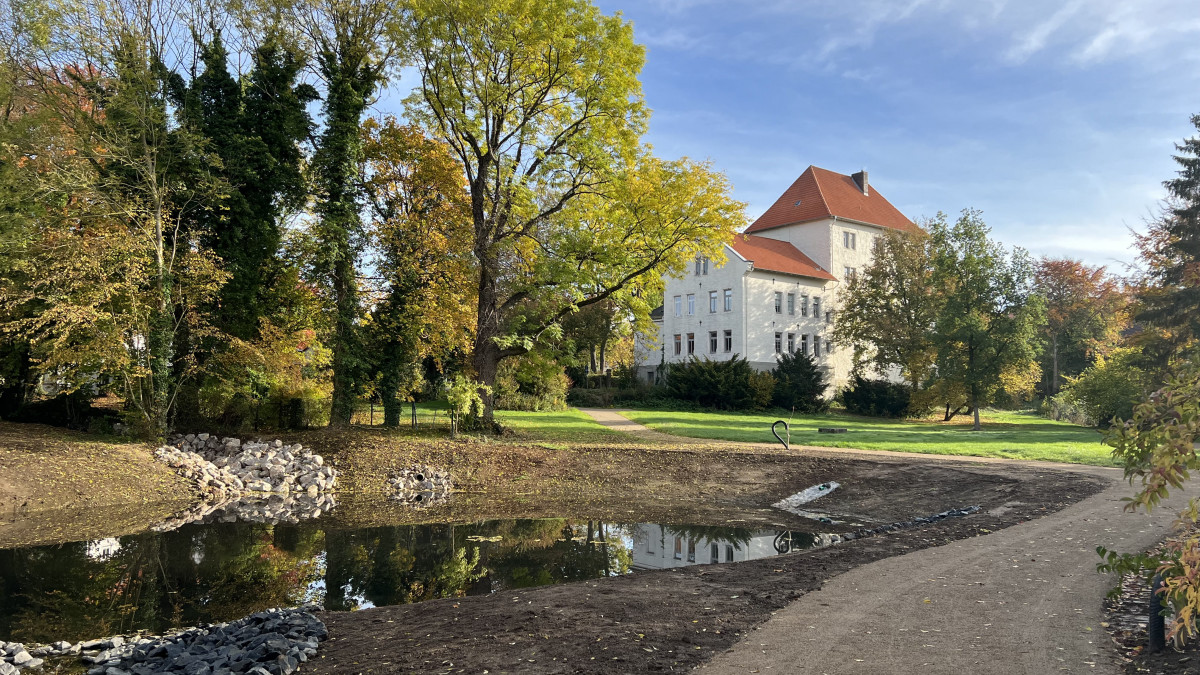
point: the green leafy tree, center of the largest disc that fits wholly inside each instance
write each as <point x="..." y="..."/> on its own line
<point x="352" y="40"/>
<point x="1109" y="389"/>
<point x="889" y="309"/>
<point x="799" y="383"/>
<point x="987" y="327"/>
<point x="541" y="106"/>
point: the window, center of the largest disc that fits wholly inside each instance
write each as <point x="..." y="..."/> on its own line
<point x="803" y="344"/>
<point x="816" y="345"/>
<point x="712" y="302"/>
<point x="778" y="343"/>
<point x="850" y="272"/>
<point x="778" y="302"/>
<point x="828" y="317"/>
<point x="792" y="303"/>
<point x="697" y="266"/>
<point x="691" y="303"/>
<point x="650" y="545"/>
<point x="816" y="308"/>
<point x="803" y="306"/>
<point x="791" y="343"/>
<point x="691" y="343"/>
<point x="712" y="342"/>
<point x="704" y="266"/>
<point x="691" y="550"/>
<point x="728" y="341"/>
<point x="678" y="306"/>
<point x="678" y="548"/>
<point x="728" y="552"/>
<point x="728" y="299"/>
<point x="715" y="555"/>
<point x="678" y="343"/>
<point x="848" y="239"/>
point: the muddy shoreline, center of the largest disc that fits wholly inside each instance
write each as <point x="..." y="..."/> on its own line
<point x="673" y="620"/>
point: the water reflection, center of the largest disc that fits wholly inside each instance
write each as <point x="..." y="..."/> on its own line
<point x="223" y="571"/>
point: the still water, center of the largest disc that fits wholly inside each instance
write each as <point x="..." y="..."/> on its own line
<point x="223" y="571"/>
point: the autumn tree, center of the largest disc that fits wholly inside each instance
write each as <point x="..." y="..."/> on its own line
<point x="1085" y="312"/>
<point x="889" y="309"/>
<point x="986" y="329"/>
<point x="420" y="231"/>
<point x="541" y="107"/>
<point x="116" y="276"/>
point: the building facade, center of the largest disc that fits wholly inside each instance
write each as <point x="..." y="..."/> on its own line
<point x="779" y="288"/>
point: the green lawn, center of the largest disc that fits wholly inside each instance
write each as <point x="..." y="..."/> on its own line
<point x="560" y="425"/>
<point x="1013" y="435"/>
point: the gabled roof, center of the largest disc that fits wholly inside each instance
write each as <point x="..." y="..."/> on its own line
<point x="656" y="314"/>
<point x="819" y="193"/>
<point x="773" y="255"/>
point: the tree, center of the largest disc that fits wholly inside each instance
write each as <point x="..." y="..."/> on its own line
<point x="1085" y="312"/>
<point x="799" y="383"/>
<point x="353" y="46"/>
<point x="987" y="326"/>
<point x="253" y="130"/>
<point x="117" y="276"/>
<point x="1169" y="297"/>
<point x="421" y="235"/>
<point x="889" y="310"/>
<point x="541" y="106"/>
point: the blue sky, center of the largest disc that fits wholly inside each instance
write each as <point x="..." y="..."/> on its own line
<point x="1056" y="119"/>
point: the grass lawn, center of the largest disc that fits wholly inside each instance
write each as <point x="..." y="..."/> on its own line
<point x="561" y="425"/>
<point x="1012" y="435"/>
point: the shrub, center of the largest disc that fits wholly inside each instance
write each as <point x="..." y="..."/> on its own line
<point x="532" y="382"/>
<point x="763" y="386"/>
<point x="1060" y="409"/>
<point x="714" y="384"/>
<point x="1109" y="388"/>
<point x="876" y="398"/>
<point x="799" y="384"/>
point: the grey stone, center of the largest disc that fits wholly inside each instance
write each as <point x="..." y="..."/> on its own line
<point x="21" y="657"/>
<point x="8" y="669"/>
<point x="116" y="641"/>
<point x="34" y="663"/>
<point x="113" y="670"/>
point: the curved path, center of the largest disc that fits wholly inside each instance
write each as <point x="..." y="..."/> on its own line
<point x="1026" y="599"/>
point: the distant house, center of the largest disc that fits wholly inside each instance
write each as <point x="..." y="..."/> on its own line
<point x="779" y="289"/>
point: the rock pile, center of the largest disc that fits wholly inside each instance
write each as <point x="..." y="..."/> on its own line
<point x="421" y="486"/>
<point x="17" y="658"/>
<point x="263" y="466"/>
<point x="273" y="642"/>
<point x="262" y="482"/>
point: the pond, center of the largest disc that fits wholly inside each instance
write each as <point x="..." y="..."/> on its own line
<point x="220" y="571"/>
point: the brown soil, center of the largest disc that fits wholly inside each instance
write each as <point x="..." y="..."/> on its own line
<point x="59" y="485"/>
<point x="674" y="620"/>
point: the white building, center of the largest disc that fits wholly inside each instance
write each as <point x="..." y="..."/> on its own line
<point x="660" y="547"/>
<point x="779" y="288"/>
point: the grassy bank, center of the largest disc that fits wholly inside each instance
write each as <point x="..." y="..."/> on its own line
<point x="1011" y="435"/>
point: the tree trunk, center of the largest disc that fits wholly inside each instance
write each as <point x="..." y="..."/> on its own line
<point x="975" y="408"/>
<point x="1054" y="376"/>
<point x="346" y="309"/>
<point x="486" y="358"/>
<point x="389" y="385"/>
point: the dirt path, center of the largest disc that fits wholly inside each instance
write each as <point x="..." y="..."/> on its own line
<point x="1026" y="599"/>
<point x="612" y="418"/>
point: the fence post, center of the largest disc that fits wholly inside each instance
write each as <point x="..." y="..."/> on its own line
<point x="1155" y="628"/>
<point x="372" y="414"/>
<point x="414" y="415"/>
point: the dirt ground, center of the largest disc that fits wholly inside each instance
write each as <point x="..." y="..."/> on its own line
<point x="59" y="485"/>
<point x="674" y="620"/>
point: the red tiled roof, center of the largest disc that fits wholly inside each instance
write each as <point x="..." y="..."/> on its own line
<point x="819" y="193"/>
<point x="773" y="255"/>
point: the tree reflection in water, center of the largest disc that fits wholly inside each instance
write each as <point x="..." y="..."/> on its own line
<point x="223" y="571"/>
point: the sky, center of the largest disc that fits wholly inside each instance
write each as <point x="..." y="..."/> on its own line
<point x="1057" y="119"/>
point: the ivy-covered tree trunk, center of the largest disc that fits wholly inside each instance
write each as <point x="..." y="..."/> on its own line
<point x="351" y="78"/>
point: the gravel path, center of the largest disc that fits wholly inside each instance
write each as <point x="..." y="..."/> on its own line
<point x="1026" y="599"/>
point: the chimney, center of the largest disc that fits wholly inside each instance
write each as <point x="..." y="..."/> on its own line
<point x="861" y="179"/>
